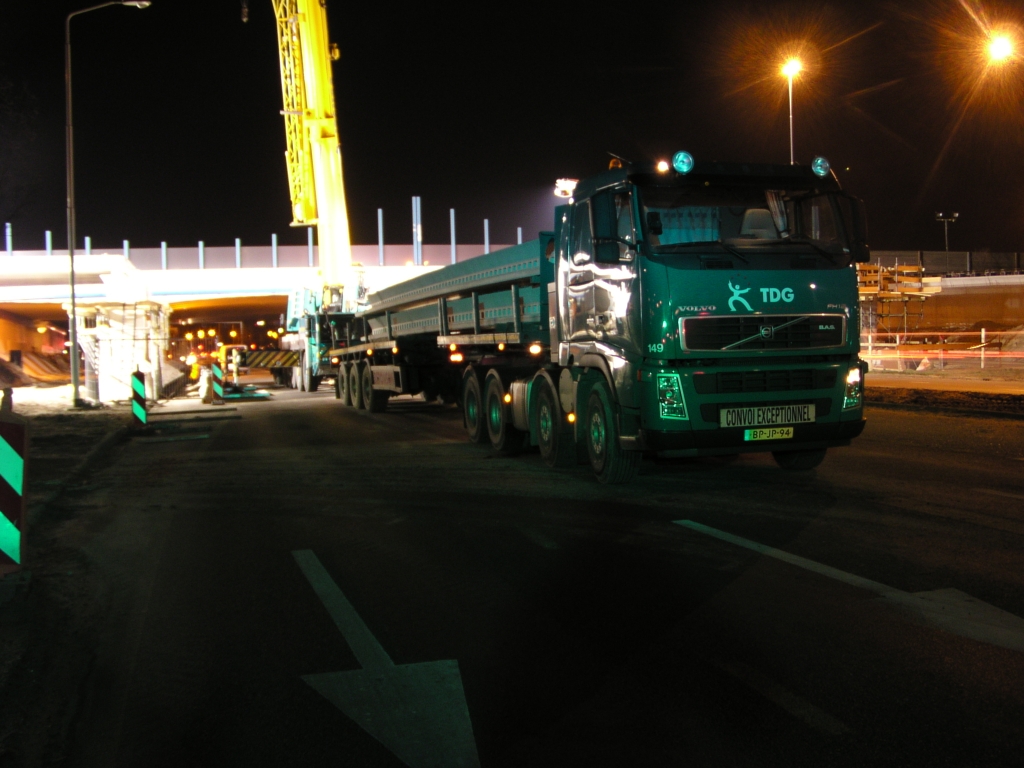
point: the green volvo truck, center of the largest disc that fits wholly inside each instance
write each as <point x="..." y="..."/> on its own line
<point x="684" y="308"/>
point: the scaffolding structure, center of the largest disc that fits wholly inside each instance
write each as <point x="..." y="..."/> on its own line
<point x="117" y="340"/>
<point x="892" y="298"/>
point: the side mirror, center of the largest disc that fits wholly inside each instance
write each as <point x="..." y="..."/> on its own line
<point x="856" y="222"/>
<point x="606" y="245"/>
<point x="654" y="223"/>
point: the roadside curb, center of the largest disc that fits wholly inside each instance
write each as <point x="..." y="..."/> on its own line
<point x="109" y="440"/>
<point x="945" y="411"/>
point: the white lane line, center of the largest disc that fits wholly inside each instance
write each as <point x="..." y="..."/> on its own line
<point x="947" y="609"/>
<point x="1004" y="494"/>
<point x="796" y="705"/>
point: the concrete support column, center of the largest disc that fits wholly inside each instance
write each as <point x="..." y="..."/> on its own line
<point x="10" y="239"/>
<point x="127" y="250"/>
<point x="49" y="243"/>
<point x="310" y="242"/>
<point x="88" y="246"/>
<point x="238" y="253"/>
<point x="163" y="255"/>
<point x="487" y="236"/>
<point x="273" y="250"/>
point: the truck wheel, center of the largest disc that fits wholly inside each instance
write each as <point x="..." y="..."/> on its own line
<point x="342" y="385"/>
<point x="374" y="400"/>
<point x="610" y="463"/>
<point x="505" y="439"/>
<point x="555" y="438"/>
<point x="473" y="407"/>
<point x="799" y="461"/>
<point x="313" y="382"/>
<point x="355" y="385"/>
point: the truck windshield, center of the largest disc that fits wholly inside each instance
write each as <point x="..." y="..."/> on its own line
<point x="743" y="220"/>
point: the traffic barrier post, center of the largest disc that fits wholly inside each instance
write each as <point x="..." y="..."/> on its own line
<point x="218" y="384"/>
<point x="139" y="414"/>
<point x="13" y="458"/>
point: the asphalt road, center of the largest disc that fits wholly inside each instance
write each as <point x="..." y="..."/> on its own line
<point x="240" y="573"/>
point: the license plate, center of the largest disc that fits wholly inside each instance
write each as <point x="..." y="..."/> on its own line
<point x="770" y="433"/>
<point x="766" y="415"/>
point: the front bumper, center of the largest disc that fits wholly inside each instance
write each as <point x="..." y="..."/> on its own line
<point x="726" y="441"/>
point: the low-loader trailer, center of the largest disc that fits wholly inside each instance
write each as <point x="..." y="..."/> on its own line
<point x="685" y="309"/>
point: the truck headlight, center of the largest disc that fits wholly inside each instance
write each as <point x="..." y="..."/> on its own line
<point x="854" y="389"/>
<point x="670" y="397"/>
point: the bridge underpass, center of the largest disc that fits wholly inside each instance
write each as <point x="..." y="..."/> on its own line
<point x="241" y="289"/>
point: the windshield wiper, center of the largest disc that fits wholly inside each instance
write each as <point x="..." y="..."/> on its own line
<point x="801" y="241"/>
<point x="680" y="247"/>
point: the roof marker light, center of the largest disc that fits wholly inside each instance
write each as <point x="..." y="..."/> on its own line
<point x="682" y="162"/>
<point x="820" y="166"/>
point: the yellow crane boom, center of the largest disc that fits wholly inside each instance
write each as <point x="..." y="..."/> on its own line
<point x="313" y="155"/>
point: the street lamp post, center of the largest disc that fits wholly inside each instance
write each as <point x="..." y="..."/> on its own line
<point x="790" y="69"/>
<point x="70" y="148"/>
<point x="946" y="221"/>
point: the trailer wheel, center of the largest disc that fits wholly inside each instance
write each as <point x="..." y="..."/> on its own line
<point x="355" y="385"/>
<point x="799" y="461"/>
<point x="554" y="437"/>
<point x="344" y="394"/>
<point x="610" y="463"/>
<point x="374" y="400"/>
<point x="473" y="407"/>
<point x="505" y="438"/>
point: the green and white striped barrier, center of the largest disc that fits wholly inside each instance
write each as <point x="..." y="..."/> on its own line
<point x="13" y="449"/>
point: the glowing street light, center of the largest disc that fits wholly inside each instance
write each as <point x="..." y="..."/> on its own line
<point x="946" y="220"/>
<point x="1000" y="48"/>
<point x="791" y="69"/>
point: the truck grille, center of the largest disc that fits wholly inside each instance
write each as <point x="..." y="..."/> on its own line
<point x="748" y="332"/>
<point x="730" y="382"/>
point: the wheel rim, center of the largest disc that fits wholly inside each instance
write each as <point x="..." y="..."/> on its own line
<point x="494" y="414"/>
<point x="597" y="434"/>
<point x="472" y="409"/>
<point x="544" y="421"/>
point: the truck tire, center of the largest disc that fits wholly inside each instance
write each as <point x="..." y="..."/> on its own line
<point x="554" y="437"/>
<point x="799" y="461"/>
<point x="505" y="439"/>
<point x="473" y="407"/>
<point x="310" y="383"/>
<point x="355" y="385"/>
<point x="374" y="400"/>
<point x="344" y="394"/>
<point x="611" y="464"/>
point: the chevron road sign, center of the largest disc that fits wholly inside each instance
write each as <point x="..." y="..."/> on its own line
<point x="270" y="358"/>
<point x="13" y="450"/>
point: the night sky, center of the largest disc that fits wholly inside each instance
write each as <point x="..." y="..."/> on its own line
<point x="179" y="136"/>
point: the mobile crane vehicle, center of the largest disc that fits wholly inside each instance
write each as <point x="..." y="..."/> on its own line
<point x="316" y="187"/>
<point x="686" y="309"/>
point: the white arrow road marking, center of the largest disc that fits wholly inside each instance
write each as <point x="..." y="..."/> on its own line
<point x="948" y="609"/>
<point x="418" y="711"/>
<point x="786" y="699"/>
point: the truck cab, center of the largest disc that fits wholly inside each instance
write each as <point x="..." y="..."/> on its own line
<point x="719" y="302"/>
